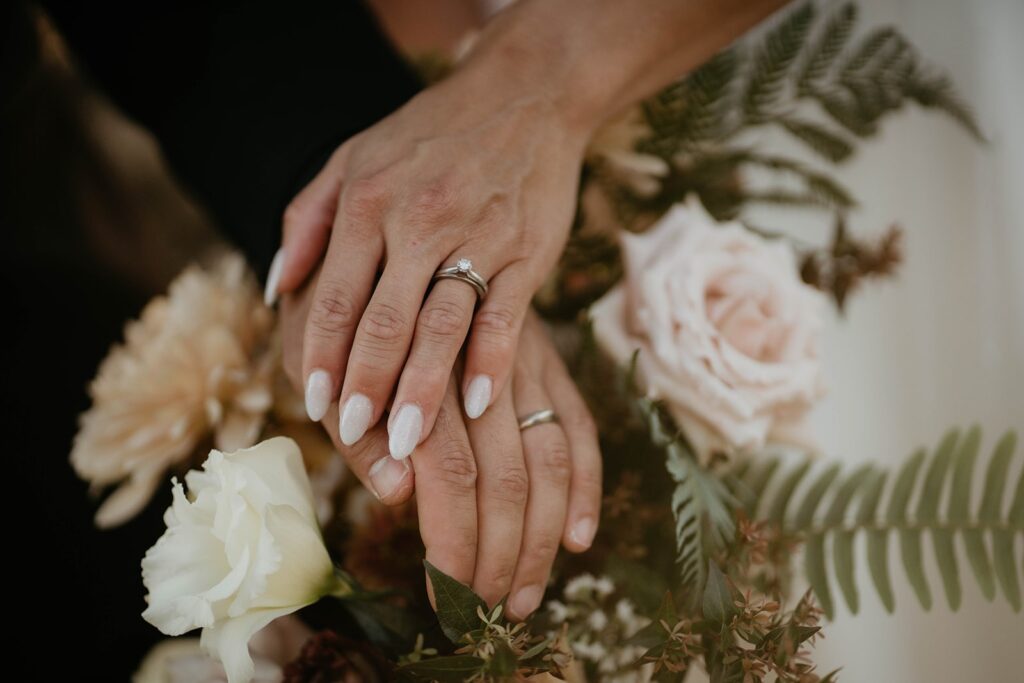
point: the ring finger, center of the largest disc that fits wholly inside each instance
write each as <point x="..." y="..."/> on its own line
<point x="546" y="452"/>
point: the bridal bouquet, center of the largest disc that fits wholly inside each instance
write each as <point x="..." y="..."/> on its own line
<point x="695" y="335"/>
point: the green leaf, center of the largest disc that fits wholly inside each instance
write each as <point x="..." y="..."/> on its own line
<point x="455" y="668"/>
<point x="773" y="61"/>
<point x="717" y="604"/>
<point x="828" y="46"/>
<point x="878" y="540"/>
<point x="805" y="514"/>
<point x="780" y="503"/>
<point x="817" y="575"/>
<point x="503" y="662"/>
<point x="959" y="512"/>
<point x="703" y="512"/>
<point x="457" y="604"/>
<point x="823" y="141"/>
<point x="927" y="513"/>
<point x="654" y="633"/>
<point x="842" y="546"/>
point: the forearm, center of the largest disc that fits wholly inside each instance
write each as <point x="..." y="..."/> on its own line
<point x="593" y="57"/>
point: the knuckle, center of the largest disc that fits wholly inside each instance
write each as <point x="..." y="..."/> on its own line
<point x="383" y="324"/>
<point x="497" y="320"/>
<point x="364" y="199"/>
<point x="543" y="549"/>
<point x="556" y="463"/>
<point x="435" y="201"/>
<point x="442" y="319"/>
<point x="511" y="485"/>
<point x="457" y="467"/>
<point x="499" y="578"/>
<point x="333" y="311"/>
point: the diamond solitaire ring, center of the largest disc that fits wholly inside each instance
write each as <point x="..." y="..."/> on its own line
<point x="463" y="271"/>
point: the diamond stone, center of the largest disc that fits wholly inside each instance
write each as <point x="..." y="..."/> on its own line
<point x="464" y="265"/>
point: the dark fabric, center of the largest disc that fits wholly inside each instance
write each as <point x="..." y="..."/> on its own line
<point x="247" y="98"/>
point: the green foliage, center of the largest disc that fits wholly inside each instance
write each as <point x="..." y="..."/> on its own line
<point x="941" y="485"/>
<point x="457" y="604"/>
<point x="702" y="506"/>
<point x="808" y="62"/>
<point x="491" y="648"/>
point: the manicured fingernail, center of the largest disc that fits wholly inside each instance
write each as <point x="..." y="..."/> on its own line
<point x="478" y="396"/>
<point x="386" y="475"/>
<point x="582" y="532"/>
<point x="526" y="600"/>
<point x="318" y="394"/>
<point x="404" y="433"/>
<point x="274" y="278"/>
<point x="355" y="418"/>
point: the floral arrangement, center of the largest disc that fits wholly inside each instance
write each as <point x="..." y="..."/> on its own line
<point x="695" y="336"/>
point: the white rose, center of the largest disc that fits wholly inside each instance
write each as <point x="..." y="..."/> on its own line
<point x="242" y="549"/>
<point x="727" y="332"/>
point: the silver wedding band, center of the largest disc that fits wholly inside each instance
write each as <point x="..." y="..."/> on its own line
<point x="538" y="417"/>
<point x="463" y="272"/>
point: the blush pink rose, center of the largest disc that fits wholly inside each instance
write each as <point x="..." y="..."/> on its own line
<point x="727" y="332"/>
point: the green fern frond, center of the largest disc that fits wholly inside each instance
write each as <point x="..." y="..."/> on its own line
<point x="772" y="63"/>
<point x="926" y="496"/>
<point x="823" y="141"/>
<point x="830" y="43"/>
<point x="702" y="505"/>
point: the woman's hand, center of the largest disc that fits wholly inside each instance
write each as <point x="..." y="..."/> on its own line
<point x="493" y="504"/>
<point x="464" y="170"/>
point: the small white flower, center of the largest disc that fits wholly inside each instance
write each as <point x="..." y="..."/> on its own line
<point x="604" y="587"/>
<point x="593" y="652"/>
<point x="557" y="611"/>
<point x="597" y="620"/>
<point x="579" y="587"/>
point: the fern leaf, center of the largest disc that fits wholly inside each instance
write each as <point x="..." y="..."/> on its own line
<point x="821" y="140"/>
<point x="878" y="540"/>
<point x="805" y="514"/>
<point x="951" y="466"/>
<point x="1003" y="539"/>
<point x="927" y="513"/>
<point x="959" y="513"/>
<point x="842" y="547"/>
<point x="772" y="63"/>
<point x="702" y="508"/>
<point x="828" y="46"/>
<point x="780" y="503"/>
<point x="936" y="91"/>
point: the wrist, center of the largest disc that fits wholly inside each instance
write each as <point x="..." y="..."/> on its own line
<point x="511" y="61"/>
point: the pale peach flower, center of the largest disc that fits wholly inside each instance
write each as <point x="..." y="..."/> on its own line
<point x="196" y="367"/>
<point x="727" y="332"/>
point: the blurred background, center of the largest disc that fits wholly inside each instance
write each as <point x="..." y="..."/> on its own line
<point x="96" y="225"/>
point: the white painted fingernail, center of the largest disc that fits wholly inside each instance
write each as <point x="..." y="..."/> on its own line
<point x="478" y="396"/>
<point x="318" y="394"/>
<point x="355" y="418"/>
<point x="386" y="475"/>
<point x="583" y="531"/>
<point x="274" y="278"/>
<point x="405" y="431"/>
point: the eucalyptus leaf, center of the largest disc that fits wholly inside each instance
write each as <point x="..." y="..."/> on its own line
<point x="457" y="604"/>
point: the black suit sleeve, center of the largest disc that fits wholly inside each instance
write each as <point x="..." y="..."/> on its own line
<point x="247" y="99"/>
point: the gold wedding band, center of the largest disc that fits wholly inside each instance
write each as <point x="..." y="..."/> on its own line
<point x="463" y="272"/>
<point x="538" y="417"/>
